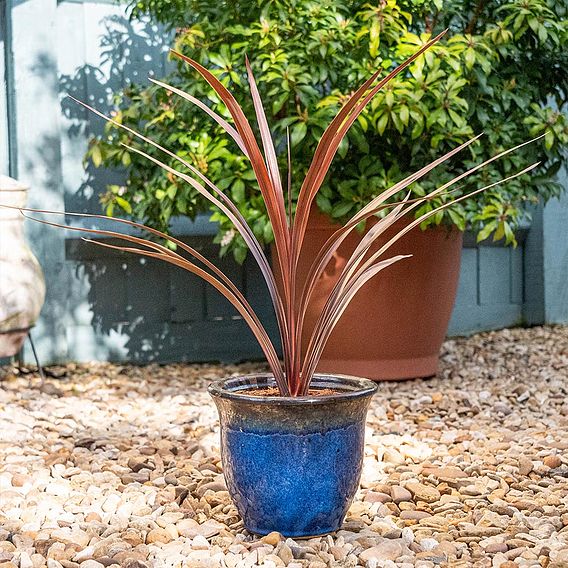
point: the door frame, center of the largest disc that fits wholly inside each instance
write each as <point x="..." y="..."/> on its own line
<point x="7" y="116"/>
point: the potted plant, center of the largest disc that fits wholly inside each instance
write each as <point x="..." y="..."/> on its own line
<point x="498" y="74"/>
<point x="292" y="440"/>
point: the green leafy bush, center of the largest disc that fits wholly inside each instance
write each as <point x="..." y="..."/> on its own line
<point x="502" y="71"/>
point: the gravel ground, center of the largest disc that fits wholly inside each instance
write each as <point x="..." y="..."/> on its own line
<point x="119" y="465"/>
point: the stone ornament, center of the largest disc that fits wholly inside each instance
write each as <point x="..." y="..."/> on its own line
<point x="22" y="286"/>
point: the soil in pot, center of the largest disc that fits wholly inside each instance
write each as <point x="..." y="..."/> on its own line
<point x="273" y="391"/>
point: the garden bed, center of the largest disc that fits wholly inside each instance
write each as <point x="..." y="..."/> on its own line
<point x="114" y="464"/>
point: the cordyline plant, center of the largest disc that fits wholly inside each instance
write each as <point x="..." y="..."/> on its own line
<point x="291" y="299"/>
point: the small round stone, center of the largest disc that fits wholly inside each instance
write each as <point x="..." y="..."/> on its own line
<point x="158" y="535"/>
<point x="400" y="494"/>
<point x="552" y="461"/>
<point x="91" y="564"/>
<point x="272" y="538"/>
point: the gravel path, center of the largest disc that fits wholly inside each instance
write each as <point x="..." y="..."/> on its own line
<point x="119" y="465"/>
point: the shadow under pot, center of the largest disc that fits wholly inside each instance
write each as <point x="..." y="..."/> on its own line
<point x="292" y="464"/>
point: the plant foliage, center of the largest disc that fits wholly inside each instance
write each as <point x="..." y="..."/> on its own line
<point x="503" y="71"/>
<point x="288" y="224"/>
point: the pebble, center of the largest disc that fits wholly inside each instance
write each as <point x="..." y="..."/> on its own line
<point x="445" y="473"/>
<point x="525" y="466"/>
<point x="188" y="527"/>
<point x="466" y="469"/>
<point x="134" y="563"/>
<point x="496" y="547"/>
<point x="376" y="497"/>
<point x="393" y="456"/>
<point x="411" y="515"/>
<point x="423" y="492"/>
<point x="111" y="503"/>
<point x="552" y="461"/>
<point x="386" y="550"/>
<point x="400" y="494"/>
<point x="286" y="555"/>
<point x="158" y="535"/>
<point x="26" y="561"/>
<point x="428" y="543"/>
<point x="19" y="480"/>
<point x="91" y="564"/>
<point x="200" y="543"/>
<point x="272" y="538"/>
<point x="207" y="529"/>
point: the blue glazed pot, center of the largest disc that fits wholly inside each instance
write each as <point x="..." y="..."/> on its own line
<point x="292" y="465"/>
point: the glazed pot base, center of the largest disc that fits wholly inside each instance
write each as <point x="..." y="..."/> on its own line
<point x="296" y="537"/>
<point x="283" y="482"/>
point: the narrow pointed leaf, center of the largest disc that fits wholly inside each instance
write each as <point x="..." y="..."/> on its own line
<point x="218" y="119"/>
<point x="332" y="313"/>
<point x="276" y="213"/>
<point x="267" y="142"/>
<point x="330" y="141"/>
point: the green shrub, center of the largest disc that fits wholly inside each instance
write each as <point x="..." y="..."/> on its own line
<point x="502" y="70"/>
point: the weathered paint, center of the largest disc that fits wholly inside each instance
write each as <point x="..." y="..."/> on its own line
<point x="113" y="307"/>
<point x="490" y="292"/>
<point x="35" y="112"/>
<point x="555" y="253"/>
<point x="546" y="262"/>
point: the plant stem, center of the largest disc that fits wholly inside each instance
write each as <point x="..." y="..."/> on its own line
<point x="477" y="12"/>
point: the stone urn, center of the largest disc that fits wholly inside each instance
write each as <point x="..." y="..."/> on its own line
<point x="22" y="286"/>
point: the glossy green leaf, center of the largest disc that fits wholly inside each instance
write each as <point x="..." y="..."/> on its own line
<point x="96" y="155"/>
<point x="486" y="231"/>
<point x="124" y="204"/>
<point x="298" y="133"/>
<point x="238" y="191"/>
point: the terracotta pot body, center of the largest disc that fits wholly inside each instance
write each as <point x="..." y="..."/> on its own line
<point x="394" y="327"/>
<point x="22" y="287"/>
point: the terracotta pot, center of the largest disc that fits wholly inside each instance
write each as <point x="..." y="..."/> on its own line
<point x="22" y="287"/>
<point x="396" y="324"/>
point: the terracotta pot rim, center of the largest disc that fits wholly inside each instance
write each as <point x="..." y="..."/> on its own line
<point x="234" y="388"/>
<point x="322" y="221"/>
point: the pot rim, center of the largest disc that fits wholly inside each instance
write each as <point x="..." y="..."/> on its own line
<point x="359" y="388"/>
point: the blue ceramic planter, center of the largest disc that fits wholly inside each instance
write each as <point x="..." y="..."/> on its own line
<point x="292" y="465"/>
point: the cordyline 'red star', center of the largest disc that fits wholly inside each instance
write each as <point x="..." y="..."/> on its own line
<point x="290" y="301"/>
